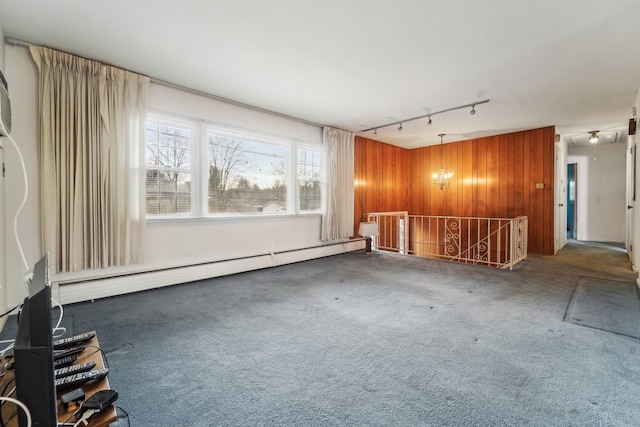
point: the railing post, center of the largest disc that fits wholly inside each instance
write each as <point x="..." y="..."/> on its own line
<point x="406" y="233"/>
<point x="512" y="244"/>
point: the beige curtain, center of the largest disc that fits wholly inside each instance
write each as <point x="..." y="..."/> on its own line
<point x="92" y="127"/>
<point x="337" y="219"/>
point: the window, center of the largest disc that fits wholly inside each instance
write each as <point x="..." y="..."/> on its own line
<point x="309" y="184"/>
<point x="168" y="168"/>
<point x="245" y="176"/>
<point x="198" y="170"/>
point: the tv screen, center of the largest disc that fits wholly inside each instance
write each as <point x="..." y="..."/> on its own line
<point x="33" y="352"/>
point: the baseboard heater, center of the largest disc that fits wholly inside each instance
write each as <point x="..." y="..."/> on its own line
<point x="102" y="287"/>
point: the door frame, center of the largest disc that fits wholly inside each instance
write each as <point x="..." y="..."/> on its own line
<point x="574" y="210"/>
<point x="631" y="198"/>
<point x="560" y="194"/>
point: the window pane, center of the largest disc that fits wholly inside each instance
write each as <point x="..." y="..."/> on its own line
<point x="309" y="180"/>
<point x="245" y="176"/>
<point x="168" y="169"/>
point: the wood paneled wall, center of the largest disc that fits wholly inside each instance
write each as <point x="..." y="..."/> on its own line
<point x="381" y="178"/>
<point x="493" y="177"/>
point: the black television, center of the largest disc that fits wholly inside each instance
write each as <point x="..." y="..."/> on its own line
<point x="33" y="352"/>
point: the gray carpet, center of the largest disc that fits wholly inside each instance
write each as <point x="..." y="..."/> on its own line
<point x="371" y="340"/>
<point x="608" y="305"/>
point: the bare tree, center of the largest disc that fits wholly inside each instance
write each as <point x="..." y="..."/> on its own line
<point x="227" y="162"/>
<point x="278" y="189"/>
<point x="310" y="193"/>
<point x="168" y="168"/>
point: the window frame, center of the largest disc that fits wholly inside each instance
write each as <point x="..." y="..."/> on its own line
<point x="210" y="128"/>
<point x="200" y="169"/>
<point x="309" y="147"/>
<point x="191" y="125"/>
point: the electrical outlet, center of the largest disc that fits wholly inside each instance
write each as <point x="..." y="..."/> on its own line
<point x="539" y="185"/>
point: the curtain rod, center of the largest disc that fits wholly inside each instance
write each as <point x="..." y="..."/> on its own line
<point x="236" y="103"/>
<point x="22" y="43"/>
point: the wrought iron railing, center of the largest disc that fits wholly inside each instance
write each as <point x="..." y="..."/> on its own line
<point x="494" y="242"/>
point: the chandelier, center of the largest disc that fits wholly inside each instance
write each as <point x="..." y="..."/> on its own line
<point x="442" y="177"/>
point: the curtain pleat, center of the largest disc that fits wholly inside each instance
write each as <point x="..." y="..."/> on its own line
<point x="337" y="219"/>
<point x="92" y="121"/>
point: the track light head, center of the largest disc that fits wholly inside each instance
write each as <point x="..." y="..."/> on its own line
<point x="375" y="132"/>
<point x="429" y="122"/>
<point x="400" y="128"/>
<point x="473" y="110"/>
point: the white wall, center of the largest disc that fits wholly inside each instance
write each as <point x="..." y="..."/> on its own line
<point x="22" y="78"/>
<point x="2" y="44"/>
<point x="635" y="239"/>
<point x="3" y="271"/>
<point x="601" y="192"/>
<point x="168" y="243"/>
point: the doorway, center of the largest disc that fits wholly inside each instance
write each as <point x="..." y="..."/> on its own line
<point x="571" y="200"/>
<point x="631" y="197"/>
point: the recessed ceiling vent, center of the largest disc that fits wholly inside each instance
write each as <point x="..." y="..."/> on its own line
<point x="5" y="108"/>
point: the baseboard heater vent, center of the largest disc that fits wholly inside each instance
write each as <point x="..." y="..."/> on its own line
<point x="102" y="287"/>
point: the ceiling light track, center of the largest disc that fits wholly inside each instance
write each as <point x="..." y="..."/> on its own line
<point x="473" y="106"/>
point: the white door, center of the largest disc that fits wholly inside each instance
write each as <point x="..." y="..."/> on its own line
<point x="631" y="196"/>
<point x="560" y="196"/>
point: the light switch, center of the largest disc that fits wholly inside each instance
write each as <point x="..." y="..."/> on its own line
<point x="539" y="185"/>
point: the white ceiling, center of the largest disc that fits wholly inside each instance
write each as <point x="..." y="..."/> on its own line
<point x="357" y="64"/>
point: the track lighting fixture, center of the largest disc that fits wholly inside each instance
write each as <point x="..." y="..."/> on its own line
<point x="375" y="132"/>
<point x="594" y="136"/>
<point x="399" y="122"/>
